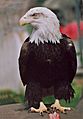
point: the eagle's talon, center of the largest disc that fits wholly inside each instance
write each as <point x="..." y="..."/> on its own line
<point x="57" y="110"/>
<point x="60" y="108"/>
<point x="41" y="109"/>
<point x="29" y="110"/>
<point x="41" y="114"/>
<point x="65" y="110"/>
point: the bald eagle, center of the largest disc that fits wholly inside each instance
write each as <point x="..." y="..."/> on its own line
<point x="47" y="60"/>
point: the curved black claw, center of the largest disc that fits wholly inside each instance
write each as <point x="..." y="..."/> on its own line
<point x="41" y="114"/>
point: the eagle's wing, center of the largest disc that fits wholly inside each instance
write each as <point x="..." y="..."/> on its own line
<point x="71" y="57"/>
<point x="23" y="61"/>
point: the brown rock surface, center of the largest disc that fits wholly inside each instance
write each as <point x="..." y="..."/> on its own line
<point x="10" y="112"/>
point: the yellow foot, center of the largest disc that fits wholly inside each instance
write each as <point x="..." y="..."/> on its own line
<point x="41" y="109"/>
<point x="59" y="107"/>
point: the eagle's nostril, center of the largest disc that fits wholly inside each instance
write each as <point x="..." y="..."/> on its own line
<point x="24" y="17"/>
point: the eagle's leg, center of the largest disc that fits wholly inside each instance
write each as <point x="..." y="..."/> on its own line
<point x="41" y="109"/>
<point x="59" y="107"/>
<point x="33" y="94"/>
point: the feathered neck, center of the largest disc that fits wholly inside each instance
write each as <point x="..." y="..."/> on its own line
<point x="49" y="31"/>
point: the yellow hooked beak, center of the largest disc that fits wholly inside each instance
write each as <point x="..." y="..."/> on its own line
<point x="24" y="20"/>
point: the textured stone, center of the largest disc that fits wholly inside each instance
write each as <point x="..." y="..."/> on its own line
<point x="11" y="112"/>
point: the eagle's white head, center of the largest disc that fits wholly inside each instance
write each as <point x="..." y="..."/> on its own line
<point x="45" y="25"/>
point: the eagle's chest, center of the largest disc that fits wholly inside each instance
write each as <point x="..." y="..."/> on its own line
<point x="45" y="61"/>
<point x="48" y="53"/>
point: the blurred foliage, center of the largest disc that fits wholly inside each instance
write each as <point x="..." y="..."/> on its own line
<point x="40" y="1"/>
<point x="11" y="97"/>
<point x="29" y="28"/>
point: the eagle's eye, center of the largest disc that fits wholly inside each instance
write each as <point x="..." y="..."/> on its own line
<point x="35" y="14"/>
